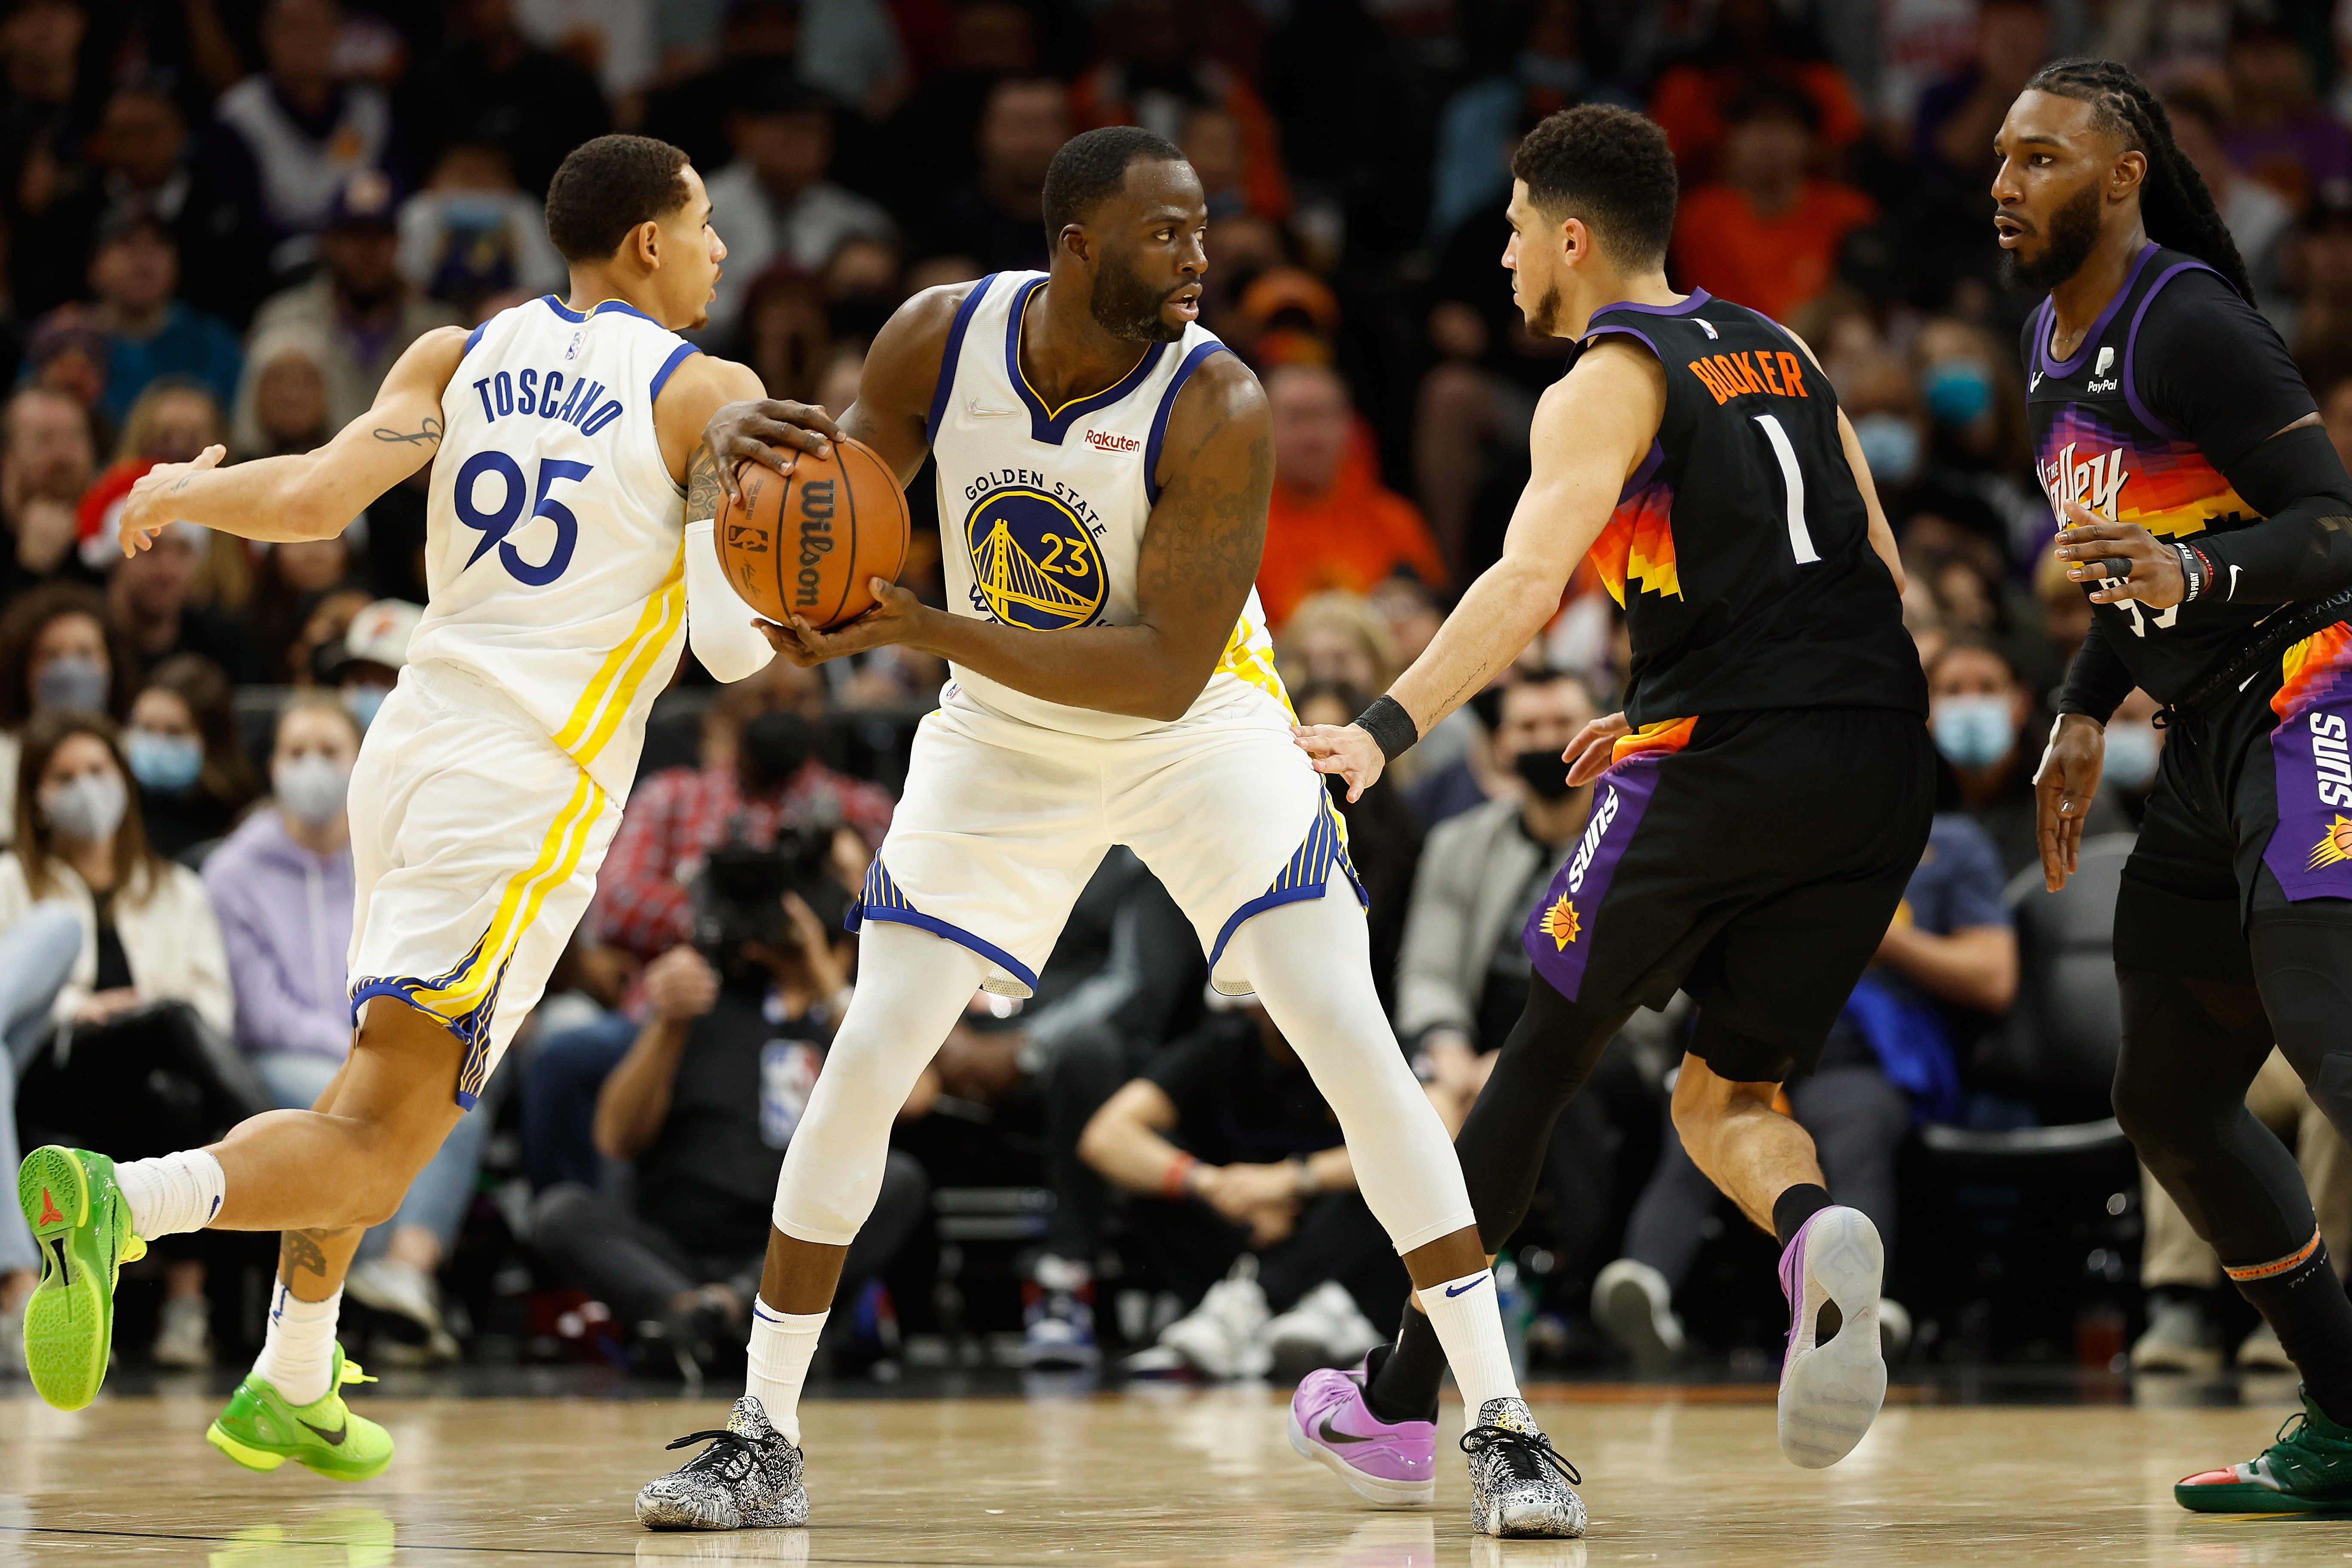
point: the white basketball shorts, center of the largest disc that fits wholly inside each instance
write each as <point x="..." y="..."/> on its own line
<point x="1002" y="823"/>
<point x="476" y="843"/>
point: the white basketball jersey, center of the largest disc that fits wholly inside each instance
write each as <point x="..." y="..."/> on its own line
<point x="554" y="562"/>
<point x="1041" y="509"/>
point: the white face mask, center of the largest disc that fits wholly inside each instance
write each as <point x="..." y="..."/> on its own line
<point x="312" y="788"/>
<point x="86" y="809"/>
<point x="2132" y="754"/>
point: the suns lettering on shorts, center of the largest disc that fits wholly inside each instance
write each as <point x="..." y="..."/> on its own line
<point x="1560" y="923"/>
<point x="2335" y="846"/>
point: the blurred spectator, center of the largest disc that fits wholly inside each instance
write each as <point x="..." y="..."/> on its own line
<point x="1960" y="115"/>
<point x="2323" y="256"/>
<point x="1750" y="44"/>
<point x="283" y="887"/>
<point x="2335" y="409"/>
<point x="358" y="305"/>
<point x="489" y="84"/>
<point x="612" y="38"/>
<point x="286" y="139"/>
<point x="774" y="201"/>
<point x="68" y="352"/>
<point x="785" y="335"/>
<point x="57" y="654"/>
<point x="2133" y="748"/>
<point x="1246" y="1206"/>
<point x="2259" y="218"/>
<point x="1335" y="635"/>
<point x="1157" y="74"/>
<point x="994" y="220"/>
<point x="757" y="40"/>
<point x="2284" y="136"/>
<point x="1980" y="714"/>
<point x="289" y="580"/>
<point x="281" y="401"/>
<point x="1947" y="967"/>
<point x="1331" y="523"/>
<point x="1480" y="127"/>
<point x="36" y="957"/>
<point x="1767" y="234"/>
<point x="148" y="601"/>
<point x="139" y="161"/>
<point x="47" y="458"/>
<point x="1919" y="44"/>
<point x="148" y="1001"/>
<point x="471" y="236"/>
<point x="317" y="650"/>
<point x="172" y="422"/>
<point x="194" y="778"/>
<point x="371" y="653"/>
<point x="134" y="273"/>
<point x="1383" y="837"/>
<point x="703" y="1106"/>
<point x="849" y="51"/>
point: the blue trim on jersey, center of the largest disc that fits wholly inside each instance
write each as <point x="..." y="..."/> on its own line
<point x="1167" y="405"/>
<point x="882" y="900"/>
<point x="1602" y="331"/>
<point x="953" y="356"/>
<point x="661" y="377"/>
<point x="2140" y="411"/>
<point x="576" y="316"/>
<point x="1697" y="296"/>
<point x="2065" y="368"/>
<point x="474" y="337"/>
<point x="1050" y="425"/>
<point x="1307" y="876"/>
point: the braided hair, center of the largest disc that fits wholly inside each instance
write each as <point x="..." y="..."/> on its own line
<point x="2174" y="205"/>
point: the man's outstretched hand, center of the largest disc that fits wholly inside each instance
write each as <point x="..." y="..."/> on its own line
<point x="750" y="431"/>
<point x="1587" y="755"/>
<point x="898" y="617"/>
<point x="1343" y="748"/>
<point x="2063" y="788"/>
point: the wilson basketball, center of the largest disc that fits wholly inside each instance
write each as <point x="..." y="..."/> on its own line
<point x="807" y="541"/>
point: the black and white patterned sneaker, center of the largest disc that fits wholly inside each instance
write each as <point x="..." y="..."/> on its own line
<point x="749" y="1479"/>
<point x="1519" y="1487"/>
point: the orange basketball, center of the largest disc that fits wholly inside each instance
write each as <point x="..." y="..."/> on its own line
<point x="806" y="542"/>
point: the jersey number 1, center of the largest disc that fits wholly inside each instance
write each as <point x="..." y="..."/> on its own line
<point x="496" y="525"/>
<point x="1801" y="540"/>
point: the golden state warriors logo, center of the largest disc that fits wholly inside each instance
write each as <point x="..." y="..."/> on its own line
<point x="2335" y="846"/>
<point x="1034" y="560"/>
<point x="1560" y="923"/>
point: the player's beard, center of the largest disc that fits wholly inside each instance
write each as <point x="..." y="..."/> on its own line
<point x="1545" y="320"/>
<point x="2073" y="233"/>
<point x="1126" y="307"/>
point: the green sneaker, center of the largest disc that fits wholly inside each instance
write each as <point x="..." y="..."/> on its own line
<point x="2307" y="1470"/>
<point x="82" y="1225"/>
<point x="260" y="1431"/>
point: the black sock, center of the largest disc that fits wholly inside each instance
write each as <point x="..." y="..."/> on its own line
<point x="1793" y="1208"/>
<point x="1403" y="1384"/>
<point x="2306" y="1304"/>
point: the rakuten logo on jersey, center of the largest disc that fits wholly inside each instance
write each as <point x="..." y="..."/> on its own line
<point x="1105" y="441"/>
<point x="2096" y="482"/>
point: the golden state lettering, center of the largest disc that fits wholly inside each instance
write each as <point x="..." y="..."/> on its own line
<point x="1725" y="377"/>
<point x="1031" y="478"/>
<point x="546" y="395"/>
<point x="815" y="526"/>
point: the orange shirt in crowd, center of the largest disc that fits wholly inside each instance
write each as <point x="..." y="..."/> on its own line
<point x="1773" y="265"/>
<point x="1351" y="537"/>
<point x="1689" y="101"/>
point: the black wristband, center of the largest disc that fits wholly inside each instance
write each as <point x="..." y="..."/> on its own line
<point x="2193" y="574"/>
<point x="1390" y="726"/>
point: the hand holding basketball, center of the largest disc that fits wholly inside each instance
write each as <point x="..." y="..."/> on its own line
<point x="803" y="535"/>
<point x="895" y="619"/>
<point x="761" y="430"/>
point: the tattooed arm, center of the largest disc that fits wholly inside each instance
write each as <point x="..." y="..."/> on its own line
<point x="1199" y="557"/>
<point x="720" y="626"/>
<point x="316" y="494"/>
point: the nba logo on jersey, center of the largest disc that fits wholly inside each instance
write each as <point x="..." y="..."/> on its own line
<point x="1709" y="327"/>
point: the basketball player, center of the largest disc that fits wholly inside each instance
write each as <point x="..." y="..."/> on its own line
<point x="1104" y="469"/>
<point x="563" y="570"/>
<point x="1763" y="799"/>
<point x="2206" y="517"/>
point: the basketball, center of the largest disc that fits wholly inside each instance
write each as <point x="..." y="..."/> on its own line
<point x="807" y="541"/>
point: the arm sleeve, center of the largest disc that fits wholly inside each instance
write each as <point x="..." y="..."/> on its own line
<point x="2208" y="364"/>
<point x="2304" y="548"/>
<point x="2097" y="682"/>
<point x="717" y="622"/>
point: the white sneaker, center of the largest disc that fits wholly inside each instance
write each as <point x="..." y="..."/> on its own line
<point x="2261" y="1351"/>
<point x="1830" y="1390"/>
<point x="403" y="1295"/>
<point x="1326" y="1328"/>
<point x="1224" y="1337"/>
<point x="1635" y="1307"/>
<point x="2177" y="1340"/>
<point x="185" y="1337"/>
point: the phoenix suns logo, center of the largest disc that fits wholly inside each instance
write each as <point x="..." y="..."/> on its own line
<point x="1560" y="923"/>
<point x="2335" y="846"/>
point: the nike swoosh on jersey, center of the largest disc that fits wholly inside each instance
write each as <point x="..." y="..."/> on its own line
<point x="333" y="1439"/>
<point x="972" y="406"/>
<point x="1466" y="1290"/>
<point x="1330" y="1434"/>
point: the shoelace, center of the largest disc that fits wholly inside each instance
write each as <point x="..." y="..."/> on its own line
<point x="1525" y="1453"/>
<point x="730" y="1453"/>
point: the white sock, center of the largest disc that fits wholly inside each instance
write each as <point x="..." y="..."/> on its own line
<point x="783" y="1345"/>
<point x="176" y="1192"/>
<point x="1469" y="1325"/>
<point x="297" y="1353"/>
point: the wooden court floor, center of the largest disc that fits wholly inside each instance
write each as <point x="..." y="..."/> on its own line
<point x="1140" y="1479"/>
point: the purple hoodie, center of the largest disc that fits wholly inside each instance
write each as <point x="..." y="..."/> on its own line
<point x="286" y="919"/>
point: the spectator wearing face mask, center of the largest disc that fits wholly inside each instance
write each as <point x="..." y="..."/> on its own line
<point x="1981" y="717"/>
<point x="283" y="884"/>
<point x="194" y="779"/>
<point x="57" y="654"/>
<point x="367" y="663"/>
<point x="471" y="236"/>
<point x="2135" y="747"/>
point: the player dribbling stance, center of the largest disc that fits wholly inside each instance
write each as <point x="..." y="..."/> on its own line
<point x="563" y="570"/>
<point x="1104" y="469"/>
<point x="1761" y="801"/>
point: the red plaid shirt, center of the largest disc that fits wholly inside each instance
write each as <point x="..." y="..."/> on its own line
<point x="680" y="814"/>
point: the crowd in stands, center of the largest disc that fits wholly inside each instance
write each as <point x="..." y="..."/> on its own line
<point x="222" y="221"/>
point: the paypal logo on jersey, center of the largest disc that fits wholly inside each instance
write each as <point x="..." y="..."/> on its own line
<point x="547" y="395"/>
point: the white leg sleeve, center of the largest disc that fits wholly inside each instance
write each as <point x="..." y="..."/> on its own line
<point x="911" y="987"/>
<point x="1310" y="964"/>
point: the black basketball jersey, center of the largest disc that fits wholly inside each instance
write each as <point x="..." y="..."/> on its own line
<point x="1740" y="548"/>
<point x="2099" y="439"/>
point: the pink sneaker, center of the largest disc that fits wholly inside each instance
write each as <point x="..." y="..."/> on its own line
<point x="1393" y="1463"/>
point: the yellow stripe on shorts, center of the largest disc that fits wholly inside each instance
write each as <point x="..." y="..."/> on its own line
<point x="614" y="686"/>
<point x="526" y="891"/>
